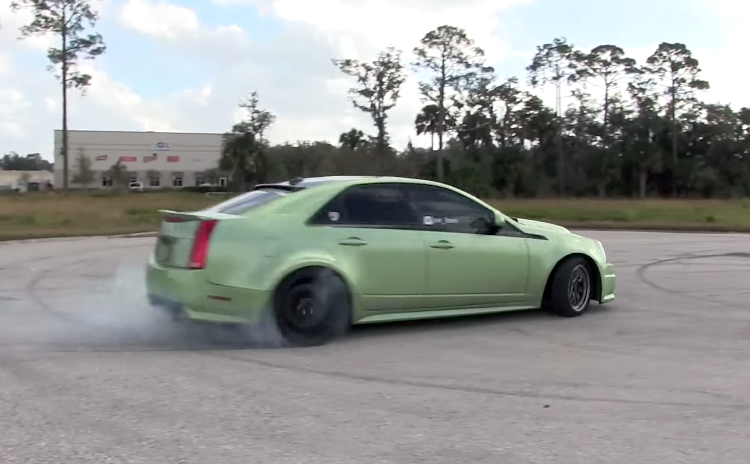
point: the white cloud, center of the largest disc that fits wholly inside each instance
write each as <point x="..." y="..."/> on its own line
<point x="378" y="23"/>
<point x="160" y="19"/>
<point x="726" y="67"/>
<point x="6" y="64"/>
<point x="12" y="105"/>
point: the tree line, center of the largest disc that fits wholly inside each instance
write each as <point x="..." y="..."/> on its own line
<point x="618" y="127"/>
<point x="32" y="162"/>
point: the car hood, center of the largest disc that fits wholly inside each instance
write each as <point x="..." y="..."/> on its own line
<point x="539" y="226"/>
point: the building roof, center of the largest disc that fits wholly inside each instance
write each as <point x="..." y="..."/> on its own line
<point x="141" y="132"/>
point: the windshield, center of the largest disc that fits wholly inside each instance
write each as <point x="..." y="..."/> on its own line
<point x="247" y="201"/>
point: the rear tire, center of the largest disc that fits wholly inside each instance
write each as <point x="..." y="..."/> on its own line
<point x="312" y="307"/>
<point x="572" y="287"/>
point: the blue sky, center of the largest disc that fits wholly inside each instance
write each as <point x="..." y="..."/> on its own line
<point x="159" y="62"/>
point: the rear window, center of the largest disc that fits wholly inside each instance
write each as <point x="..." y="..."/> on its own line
<point x="247" y="201"/>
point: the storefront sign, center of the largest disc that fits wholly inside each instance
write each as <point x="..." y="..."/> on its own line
<point x="173" y="159"/>
<point x="161" y="146"/>
<point x="128" y="159"/>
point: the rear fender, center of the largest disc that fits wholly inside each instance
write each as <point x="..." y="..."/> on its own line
<point x="297" y="263"/>
<point x="239" y="253"/>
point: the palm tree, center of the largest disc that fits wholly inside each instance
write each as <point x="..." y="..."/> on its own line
<point x="352" y="140"/>
<point x="426" y="123"/>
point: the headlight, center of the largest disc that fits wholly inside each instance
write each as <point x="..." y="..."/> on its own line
<point x="601" y="247"/>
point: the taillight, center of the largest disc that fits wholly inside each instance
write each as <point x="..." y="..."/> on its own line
<point x="199" y="253"/>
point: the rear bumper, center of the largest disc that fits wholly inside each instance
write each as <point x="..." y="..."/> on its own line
<point x="186" y="293"/>
<point x="609" y="283"/>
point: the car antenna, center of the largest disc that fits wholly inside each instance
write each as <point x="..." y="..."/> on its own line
<point x="296" y="180"/>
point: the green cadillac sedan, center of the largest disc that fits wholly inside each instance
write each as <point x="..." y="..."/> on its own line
<point x="315" y="256"/>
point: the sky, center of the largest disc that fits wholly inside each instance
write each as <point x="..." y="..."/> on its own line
<point x="183" y="65"/>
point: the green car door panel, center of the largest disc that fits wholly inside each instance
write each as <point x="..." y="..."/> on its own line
<point x="404" y="248"/>
<point x="468" y="270"/>
<point x="386" y="267"/>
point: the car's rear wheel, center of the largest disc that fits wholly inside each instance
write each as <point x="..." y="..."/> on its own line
<point x="312" y="307"/>
<point x="572" y="287"/>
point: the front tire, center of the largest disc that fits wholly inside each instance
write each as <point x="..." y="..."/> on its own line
<point x="572" y="287"/>
<point x="312" y="307"/>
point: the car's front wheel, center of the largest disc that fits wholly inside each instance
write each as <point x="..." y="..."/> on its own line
<point x="572" y="287"/>
<point x="312" y="307"/>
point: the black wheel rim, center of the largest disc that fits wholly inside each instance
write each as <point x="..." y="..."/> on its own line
<point x="579" y="287"/>
<point x="302" y="311"/>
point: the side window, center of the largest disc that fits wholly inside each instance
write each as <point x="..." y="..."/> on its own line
<point x="369" y="205"/>
<point x="444" y="210"/>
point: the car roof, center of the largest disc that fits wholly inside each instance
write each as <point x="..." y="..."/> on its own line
<point x="312" y="181"/>
<point x="305" y="183"/>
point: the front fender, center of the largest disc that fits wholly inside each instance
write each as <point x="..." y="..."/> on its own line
<point x="545" y="255"/>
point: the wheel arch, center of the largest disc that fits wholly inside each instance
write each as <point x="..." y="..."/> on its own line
<point x="595" y="272"/>
<point x="308" y="271"/>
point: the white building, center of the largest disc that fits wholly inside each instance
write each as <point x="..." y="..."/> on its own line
<point x="156" y="159"/>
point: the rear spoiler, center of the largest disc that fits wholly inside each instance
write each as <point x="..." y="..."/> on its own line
<point x="285" y="187"/>
<point x="195" y="216"/>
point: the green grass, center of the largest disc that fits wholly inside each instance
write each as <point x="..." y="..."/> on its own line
<point x="52" y="214"/>
<point x="652" y="214"/>
<point x="55" y="214"/>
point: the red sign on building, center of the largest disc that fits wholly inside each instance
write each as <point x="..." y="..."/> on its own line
<point x="128" y="159"/>
<point x="173" y="159"/>
<point x="101" y="158"/>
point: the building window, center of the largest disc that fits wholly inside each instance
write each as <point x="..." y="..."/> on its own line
<point x="106" y="181"/>
<point x="177" y="181"/>
<point x="154" y="181"/>
<point x="199" y="181"/>
<point x="133" y="179"/>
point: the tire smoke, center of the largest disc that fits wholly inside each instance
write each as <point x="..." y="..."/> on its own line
<point x="113" y="314"/>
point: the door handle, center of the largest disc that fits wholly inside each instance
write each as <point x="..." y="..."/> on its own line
<point x="442" y="244"/>
<point x="353" y="241"/>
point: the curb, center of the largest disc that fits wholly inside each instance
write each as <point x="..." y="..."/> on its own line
<point x="76" y="238"/>
<point x="136" y="235"/>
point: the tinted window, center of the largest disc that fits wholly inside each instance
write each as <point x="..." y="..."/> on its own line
<point x="449" y="211"/>
<point x="247" y="201"/>
<point x="371" y="205"/>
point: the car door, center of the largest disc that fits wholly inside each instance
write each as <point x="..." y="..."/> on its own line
<point x="467" y="264"/>
<point x="376" y="236"/>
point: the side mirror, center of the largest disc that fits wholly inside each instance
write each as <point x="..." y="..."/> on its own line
<point x="488" y="226"/>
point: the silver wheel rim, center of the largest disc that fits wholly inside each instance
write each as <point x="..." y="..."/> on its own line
<point x="579" y="287"/>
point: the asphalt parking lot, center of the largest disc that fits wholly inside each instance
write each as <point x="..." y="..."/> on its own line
<point x="89" y="375"/>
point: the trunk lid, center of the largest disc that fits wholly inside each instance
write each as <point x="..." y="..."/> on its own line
<point x="177" y="234"/>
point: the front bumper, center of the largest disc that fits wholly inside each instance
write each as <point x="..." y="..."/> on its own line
<point x="609" y="283"/>
<point x="185" y="293"/>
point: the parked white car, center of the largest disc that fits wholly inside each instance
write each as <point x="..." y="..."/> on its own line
<point x="136" y="187"/>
